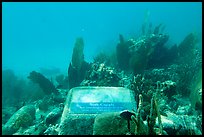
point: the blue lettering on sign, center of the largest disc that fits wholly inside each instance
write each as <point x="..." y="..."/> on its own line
<point x="98" y="107"/>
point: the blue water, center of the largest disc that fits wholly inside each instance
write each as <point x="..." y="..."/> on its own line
<point x="42" y="35"/>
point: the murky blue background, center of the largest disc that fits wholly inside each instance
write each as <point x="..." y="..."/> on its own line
<point x="42" y="35"/>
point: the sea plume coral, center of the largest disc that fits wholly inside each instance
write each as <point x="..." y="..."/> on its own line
<point x="43" y="82"/>
<point x="78" y="67"/>
<point x="78" y="55"/>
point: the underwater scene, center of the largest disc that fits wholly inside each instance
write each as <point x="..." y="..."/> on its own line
<point x="101" y="68"/>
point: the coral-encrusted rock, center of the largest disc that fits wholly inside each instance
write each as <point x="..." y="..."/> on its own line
<point x="111" y="124"/>
<point x="142" y="48"/>
<point x="184" y="110"/>
<point x="101" y="75"/>
<point x="51" y="130"/>
<point x="22" y="118"/>
<point x="7" y="112"/>
<point x="179" y="124"/>
<point x="53" y="116"/>
<point x="37" y="129"/>
<point x="76" y="124"/>
<point x="169" y="88"/>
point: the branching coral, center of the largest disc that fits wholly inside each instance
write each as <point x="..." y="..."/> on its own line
<point x="154" y="113"/>
<point x="140" y="127"/>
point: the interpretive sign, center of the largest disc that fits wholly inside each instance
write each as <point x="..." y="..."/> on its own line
<point x="83" y="104"/>
<point x="93" y="100"/>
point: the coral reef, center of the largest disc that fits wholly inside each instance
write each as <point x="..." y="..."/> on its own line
<point x="146" y="51"/>
<point x="101" y="75"/>
<point x="142" y="49"/>
<point x="166" y="84"/>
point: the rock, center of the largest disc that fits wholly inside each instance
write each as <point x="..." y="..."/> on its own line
<point x="53" y="116"/>
<point x="179" y="124"/>
<point x="43" y="105"/>
<point x="7" y="112"/>
<point x="51" y="130"/>
<point x="22" y="118"/>
<point x="35" y="129"/>
<point x="183" y="110"/>
<point x="101" y="75"/>
<point x="168" y="125"/>
<point x="76" y="124"/>
<point x="59" y="98"/>
<point x="169" y="88"/>
<point x="111" y="124"/>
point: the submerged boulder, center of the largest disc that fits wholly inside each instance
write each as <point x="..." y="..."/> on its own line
<point x="111" y="124"/>
<point x="53" y="116"/>
<point x="22" y="118"/>
<point x="142" y="49"/>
